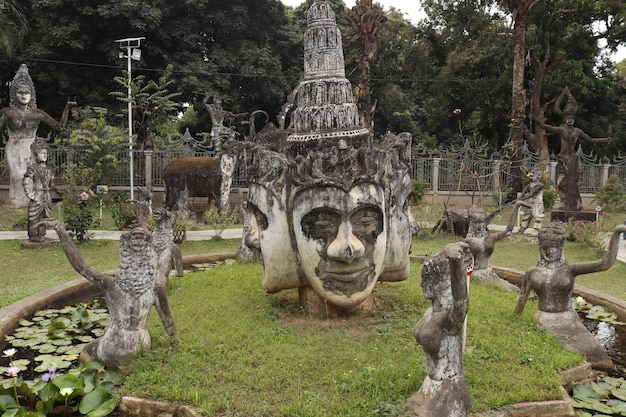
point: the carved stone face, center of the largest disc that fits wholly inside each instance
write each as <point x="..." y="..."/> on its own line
<point x="268" y="230"/>
<point x="551" y="250"/>
<point x="42" y="155"/>
<point x="341" y="240"/>
<point x="23" y="95"/>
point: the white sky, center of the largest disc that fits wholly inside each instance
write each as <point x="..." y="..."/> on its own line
<point x="412" y="10"/>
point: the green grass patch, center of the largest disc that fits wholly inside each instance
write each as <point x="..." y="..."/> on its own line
<point x="245" y="352"/>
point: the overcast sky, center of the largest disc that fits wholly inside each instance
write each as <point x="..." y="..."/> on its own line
<point x="412" y="10"/>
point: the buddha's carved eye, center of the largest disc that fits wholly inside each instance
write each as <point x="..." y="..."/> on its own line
<point x="321" y="223"/>
<point x="366" y="222"/>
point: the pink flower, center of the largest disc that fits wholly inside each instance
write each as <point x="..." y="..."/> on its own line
<point x="84" y="196"/>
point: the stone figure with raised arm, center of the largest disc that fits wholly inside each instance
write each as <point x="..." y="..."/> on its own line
<point x="130" y="295"/>
<point x="218" y="130"/>
<point x="481" y="244"/>
<point x="569" y="166"/>
<point x="37" y="182"/>
<point x="553" y="281"/>
<point x="440" y="333"/>
<point x="22" y="119"/>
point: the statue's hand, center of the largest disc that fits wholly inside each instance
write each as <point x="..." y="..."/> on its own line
<point x="620" y="228"/>
<point x="50" y="222"/>
<point x="456" y="251"/>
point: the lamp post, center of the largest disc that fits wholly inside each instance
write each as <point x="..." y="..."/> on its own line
<point x="132" y="53"/>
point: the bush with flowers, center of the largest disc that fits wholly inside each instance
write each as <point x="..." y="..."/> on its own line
<point x="78" y="215"/>
<point x="590" y="234"/>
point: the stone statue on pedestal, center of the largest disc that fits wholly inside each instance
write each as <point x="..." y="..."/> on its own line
<point x="22" y="118"/>
<point x="568" y="163"/>
<point x="553" y="282"/>
<point x="440" y="333"/>
<point x="329" y="211"/>
<point x="37" y="182"/>
<point x="130" y="294"/>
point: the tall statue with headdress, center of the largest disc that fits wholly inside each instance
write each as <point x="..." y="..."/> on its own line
<point x="329" y="211"/>
<point x="22" y="119"/>
<point x="568" y="164"/>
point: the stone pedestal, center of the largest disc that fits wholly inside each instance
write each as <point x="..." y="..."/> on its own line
<point x="31" y="244"/>
<point x="317" y="306"/>
<point x="566" y="215"/>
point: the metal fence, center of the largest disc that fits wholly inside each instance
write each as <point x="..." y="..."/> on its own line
<point x="468" y="169"/>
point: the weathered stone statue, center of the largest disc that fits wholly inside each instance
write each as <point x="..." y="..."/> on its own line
<point x="553" y="282"/>
<point x="568" y="163"/>
<point x="440" y="333"/>
<point x="168" y="256"/>
<point x="129" y="295"/>
<point x="328" y="210"/>
<point x="142" y="206"/>
<point x="482" y="243"/>
<point x="532" y="195"/>
<point x="37" y="182"/>
<point x="220" y="134"/>
<point x="22" y="118"/>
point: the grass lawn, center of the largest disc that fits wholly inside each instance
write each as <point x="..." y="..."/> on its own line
<point x="248" y="353"/>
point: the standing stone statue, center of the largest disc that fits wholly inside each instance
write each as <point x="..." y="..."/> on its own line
<point x="37" y="182"/>
<point x="532" y="194"/>
<point x="130" y="295"/>
<point x="440" y="333"/>
<point x="482" y="243"/>
<point x="22" y="118"/>
<point x="568" y="163"/>
<point x="553" y="282"/>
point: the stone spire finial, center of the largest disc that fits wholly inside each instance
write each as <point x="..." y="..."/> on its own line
<point x="325" y="107"/>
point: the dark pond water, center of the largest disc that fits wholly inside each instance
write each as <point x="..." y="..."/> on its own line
<point x="613" y="338"/>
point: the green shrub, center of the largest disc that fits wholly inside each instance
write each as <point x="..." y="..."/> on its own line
<point x="420" y="188"/>
<point x="611" y="195"/>
<point x="78" y="216"/>
<point x="123" y="215"/>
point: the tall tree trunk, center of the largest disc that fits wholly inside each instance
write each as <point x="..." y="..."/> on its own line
<point x="518" y="94"/>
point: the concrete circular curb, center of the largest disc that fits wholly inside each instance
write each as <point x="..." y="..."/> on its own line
<point x="80" y="289"/>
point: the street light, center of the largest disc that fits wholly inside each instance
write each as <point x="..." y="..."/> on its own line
<point x="132" y="53"/>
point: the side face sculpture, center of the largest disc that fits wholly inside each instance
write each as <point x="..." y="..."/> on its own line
<point x="269" y="231"/>
<point x="341" y="240"/>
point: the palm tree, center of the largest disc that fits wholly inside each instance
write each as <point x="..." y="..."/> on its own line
<point x="13" y="27"/>
<point x="365" y="20"/>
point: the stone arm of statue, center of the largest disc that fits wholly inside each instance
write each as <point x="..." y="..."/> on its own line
<point x="523" y="295"/>
<point x="66" y="112"/>
<point x="509" y="227"/>
<point x="594" y="140"/>
<point x="139" y="212"/>
<point x="456" y="253"/>
<point x="27" y="183"/>
<point x="103" y="281"/>
<point x="544" y="126"/>
<point x="606" y="262"/>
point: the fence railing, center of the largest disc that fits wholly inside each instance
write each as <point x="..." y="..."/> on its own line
<point x="467" y="169"/>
